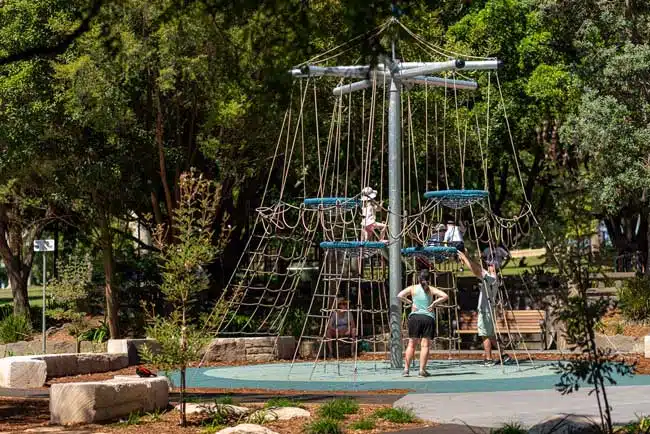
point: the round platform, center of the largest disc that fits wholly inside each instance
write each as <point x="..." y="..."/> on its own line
<point x="439" y="253"/>
<point x="447" y="376"/>
<point x="456" y="199"/>
<point x="331" y="202"/>
<point x="351" y="245"/>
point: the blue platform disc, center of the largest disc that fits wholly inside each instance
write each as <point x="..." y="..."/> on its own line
<point x="328" y="202"/>
<point x="456" y="198"/>
<point x="436" y="252"/>
<point x="352" y="245"/>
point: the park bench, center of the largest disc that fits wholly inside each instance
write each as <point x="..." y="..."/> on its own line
<point x="527" y="253"/>
<point x="519" y="322"/>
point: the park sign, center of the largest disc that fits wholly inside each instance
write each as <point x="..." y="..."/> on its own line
<point x="43" y="245"/>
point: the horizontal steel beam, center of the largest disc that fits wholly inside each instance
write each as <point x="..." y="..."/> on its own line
<point x="442" y="82"/>
<point x="352" y="87"/>
<point x="400" y="71"/>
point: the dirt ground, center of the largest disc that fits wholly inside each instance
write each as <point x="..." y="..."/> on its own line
<point x="19" y="414"/>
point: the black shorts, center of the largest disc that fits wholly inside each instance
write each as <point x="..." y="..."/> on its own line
<point x="421" y="326"/>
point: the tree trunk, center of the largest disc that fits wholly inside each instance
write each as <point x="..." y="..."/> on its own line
<point x="110" y="294"/>
<point x="19" y="293"/>
<point x="647" y="250"/>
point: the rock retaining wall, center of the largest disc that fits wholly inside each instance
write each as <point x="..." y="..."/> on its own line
<point x="620" y="343"/>
<point x="254" y="350"/>
<point x="30" y="348"/>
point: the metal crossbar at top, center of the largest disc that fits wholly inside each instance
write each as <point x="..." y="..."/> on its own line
<point x="399" y="74"/>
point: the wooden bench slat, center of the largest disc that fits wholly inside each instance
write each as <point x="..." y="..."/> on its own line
<point x="516" y="321"/>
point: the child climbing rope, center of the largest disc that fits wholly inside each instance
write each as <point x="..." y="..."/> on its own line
<point x="369" y="221"/>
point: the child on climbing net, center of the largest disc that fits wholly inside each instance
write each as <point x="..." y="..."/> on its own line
<point x="369" y="221"/>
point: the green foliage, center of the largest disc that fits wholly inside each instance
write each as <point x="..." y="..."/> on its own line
<point x="323" y="426"/>
<point x="74" y="281"/>
<point x="70" y="294"/>
<point x="14" y="328"/>
<point x="282" y="402"/>
<point x="364" y="424"/>
<point x="642" y="426"/>
<point x="224" y="400"/>
<point x="134" y="418"/>
<point x="294" y="322"/>
<point x="96" y="334"/>
<point x="634" y="299"/>
<point x="220" y="416"/>
<point x="338" y="408"/>
<point x="183" y="275"/>
<point x="510" y="428"/>
<point x="396" y="414"/>
<point x="156" y="415"/>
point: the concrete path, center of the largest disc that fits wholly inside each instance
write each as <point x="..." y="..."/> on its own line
<point x="530" y="408"/>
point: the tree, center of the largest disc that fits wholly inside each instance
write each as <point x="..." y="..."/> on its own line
<point x="184" y="276"/>
<point x="27" y="109"/>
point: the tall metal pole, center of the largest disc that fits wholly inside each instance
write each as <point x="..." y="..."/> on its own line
<point x="43" y="318"/>
<point x="394" y="220"/>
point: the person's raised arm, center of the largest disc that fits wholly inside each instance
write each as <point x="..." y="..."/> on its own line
<point x="476" y="268"/>
<point x="441" y="297"/>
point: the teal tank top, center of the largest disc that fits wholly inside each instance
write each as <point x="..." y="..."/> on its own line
<point x="421" y="301"/>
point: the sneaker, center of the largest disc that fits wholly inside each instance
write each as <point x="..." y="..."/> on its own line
<point x="505" y="359"/>
<point x="488" y="363"/>
<point x="406" y="373"/>
<point x="424" y="374"/>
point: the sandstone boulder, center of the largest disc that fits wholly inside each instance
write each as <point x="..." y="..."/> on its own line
<point x="132" y="347"/>
<point x="22" y="372"/>
<point x="566" y="424"/>
<point x="246" y="428"/>
<point x="62" y="365"/>
<point x="207" y="408"/>
<point x="83" y="403"/>
<point x="281" y="413"/>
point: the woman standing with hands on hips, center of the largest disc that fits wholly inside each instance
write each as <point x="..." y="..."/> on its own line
<point x="421" y="322"/>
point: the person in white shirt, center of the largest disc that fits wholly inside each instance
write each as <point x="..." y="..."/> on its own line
<point x="454" y="235"/>
<point x="369" y="221"/>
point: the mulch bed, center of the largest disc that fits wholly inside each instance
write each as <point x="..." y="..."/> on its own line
<point x="18" y="414"/>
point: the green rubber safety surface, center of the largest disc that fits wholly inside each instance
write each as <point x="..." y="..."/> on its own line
<point x="448" y="376"/>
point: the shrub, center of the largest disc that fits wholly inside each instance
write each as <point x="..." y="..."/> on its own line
<point x="396" y="415"/>
<point x="282" y="402"/>
<point x="323" y="426"/>
<point x="224" y="400"/>
<point x="337" y="408"/>
<point x="634" y="299"/>
<point x="641" y="426"/>
<point x="15" y="328"/>
<point x="364" y="424"/>
<point x="510" y="428"/>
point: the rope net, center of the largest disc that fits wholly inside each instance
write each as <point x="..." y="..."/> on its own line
<point x="310" y="247"/>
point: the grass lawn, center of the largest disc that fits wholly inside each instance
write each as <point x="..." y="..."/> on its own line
<point x="35" y="296"/>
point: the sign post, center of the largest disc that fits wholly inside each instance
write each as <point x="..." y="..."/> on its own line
<point x="44" y="246"/>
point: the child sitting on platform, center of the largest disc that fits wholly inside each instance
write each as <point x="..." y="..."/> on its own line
<point x="438" y="237"/>
<point x="454" y="235"/>
<point x="369" y="221"/>
<point x="341" y="323"/>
